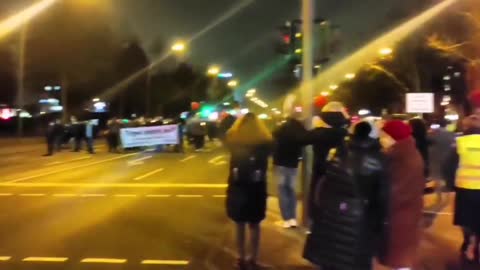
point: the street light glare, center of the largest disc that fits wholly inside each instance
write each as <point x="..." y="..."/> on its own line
<point x="232" y="83"/>
<point x="350" y="76"/>
<point x="333" y="87"/>
<point x="386" y="51"/>
<point x="213" y="70"/>
<point x="178" y="47"/>
<point x="14" y="22"/>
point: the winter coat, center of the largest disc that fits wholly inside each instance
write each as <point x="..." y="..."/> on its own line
<point x="249" y="145"/>
<point x="351" y="201"/>
<point x="405" y="171"/>
<point x="441" y="142"/>
<point x="290" y="138"/>
<point x="323" y="139"/>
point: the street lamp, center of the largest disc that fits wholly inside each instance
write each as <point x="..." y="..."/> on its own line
<point x="232" y="83"/>
<point x="213" y="70"/>
<point x="178" y="47"/>
<point x="386" y="51"/>
<point x="350" y="76"/>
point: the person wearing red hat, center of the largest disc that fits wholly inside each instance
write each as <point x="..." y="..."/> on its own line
<point x="405" y="171"/>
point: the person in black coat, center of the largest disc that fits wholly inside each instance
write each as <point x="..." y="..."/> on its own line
<point x="249" y="144"/>
<point x="289" y="138"/>
<point x="329" y="132"/>
<point x="53" y="136"/>
<point x="352" y="205"/>
<point x="419" y="133"/>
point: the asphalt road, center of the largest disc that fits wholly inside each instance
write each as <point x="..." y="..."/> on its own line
<point x="147" y="210"/>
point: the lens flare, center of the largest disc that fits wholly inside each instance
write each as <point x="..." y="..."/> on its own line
<point x="16" y="21"/>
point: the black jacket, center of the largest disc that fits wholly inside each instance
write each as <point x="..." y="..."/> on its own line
<point x="290" y="138"/>
<point x="324" y="139"/>
<point x="247" y="182"/>
<point x="352" y="202"/>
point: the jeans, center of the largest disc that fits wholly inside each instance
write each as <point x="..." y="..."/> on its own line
<point x="286" y="190"/>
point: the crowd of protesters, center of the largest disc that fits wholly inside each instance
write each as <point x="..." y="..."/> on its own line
<point x="366" y="188"/>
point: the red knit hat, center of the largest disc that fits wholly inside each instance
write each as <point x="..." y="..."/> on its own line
<point x="475" y="99"/>
<point x="397" y="129"/>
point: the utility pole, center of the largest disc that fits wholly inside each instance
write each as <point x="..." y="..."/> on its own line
<point x="308" y="7"/>
<point x="21" y="78"/>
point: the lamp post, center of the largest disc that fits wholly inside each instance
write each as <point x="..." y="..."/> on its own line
<point x="307" y="99"/>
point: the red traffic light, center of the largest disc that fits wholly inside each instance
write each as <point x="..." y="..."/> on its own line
<point x="286" y="39"/>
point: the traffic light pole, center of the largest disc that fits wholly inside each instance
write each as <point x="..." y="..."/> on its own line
<point x="21" y="78"/>
<point x="308" y="7"/>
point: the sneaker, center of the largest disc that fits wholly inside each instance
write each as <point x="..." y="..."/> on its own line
<point x="283" y="224"/>
<point x="293" y="223"/>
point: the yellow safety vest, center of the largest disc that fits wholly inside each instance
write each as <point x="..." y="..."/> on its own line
<point x="468" y="173"/>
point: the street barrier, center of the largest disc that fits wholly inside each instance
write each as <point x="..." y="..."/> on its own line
<point x="149" y="136"/>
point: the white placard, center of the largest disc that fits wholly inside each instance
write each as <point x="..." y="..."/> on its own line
<point x="149" y="136"/>
<point x="420" y="103"/>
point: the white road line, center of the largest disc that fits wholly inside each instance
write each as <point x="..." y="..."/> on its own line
<point x="138" y="161"/>
<point x="188" y="196"/>
<point x="158" y="196"/>
<point x="32" y="194"/>
<point x="188" y="158"/>
<point x="219" y="196"/>
<point x="6" y="194"/>
<point x="5" y="258"/>
<point x="68" y="169"/>
<point x="148" y="174"/>
<point x="104" y="260"/>
<point x="223" y="162"/>
<point x="45" y="259"/>
<point x="93" y="195"/>
<point x="125" y="195"/>
<point x="115" y="185"/>
<point x="67" y="161"/>
<point x="216" y="159"/>
<point x="165" y="262"/>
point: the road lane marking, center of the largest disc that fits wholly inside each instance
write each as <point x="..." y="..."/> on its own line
<point x="104" y="260"/>
<point x="114" y="185"/>
<point x="93" y="195"/>
<point x="216" y="159"/>
<point x="6" y="194"/>
<point x="165" y="262"/>
<point x="148" y="174"/>
<point x="5" y="258"/>
<point x="67" y="161"/>
<point x="223" y="162"/>
<point x="219" y="196"/>
<point x="188" y="196"/>
<point x="138" y="161"/>
<point x="32" y="194"/>
<point x="68" y="169"/>
<point x="158" y="196"/>
<point x="45" y="259"/>
<point x="65" y="195"/>
<point x="188" y="158"/>
<point x="125" y="195"/>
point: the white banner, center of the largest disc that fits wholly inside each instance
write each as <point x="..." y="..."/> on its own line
<point x="420" y="103"/>
<point x="149" y="136"/>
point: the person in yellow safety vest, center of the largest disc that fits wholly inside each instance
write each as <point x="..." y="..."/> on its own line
<point x="467" y="183"/>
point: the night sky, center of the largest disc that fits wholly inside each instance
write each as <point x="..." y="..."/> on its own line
<point x="244" y="43"/>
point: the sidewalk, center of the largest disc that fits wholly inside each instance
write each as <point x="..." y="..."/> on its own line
<point x="282" y="249"/>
